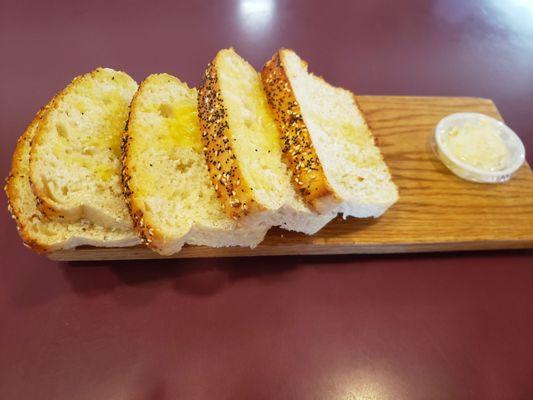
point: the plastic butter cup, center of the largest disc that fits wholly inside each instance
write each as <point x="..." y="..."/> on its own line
<point x="515" y="148"/>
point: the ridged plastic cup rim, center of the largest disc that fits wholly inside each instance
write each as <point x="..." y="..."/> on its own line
<point x="457" y="119"/>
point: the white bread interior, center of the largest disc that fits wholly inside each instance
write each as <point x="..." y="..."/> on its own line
<point x="352" y="162"/>
<point x="75" y="155"/>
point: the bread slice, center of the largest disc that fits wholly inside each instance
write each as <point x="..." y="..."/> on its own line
<point x="39" y="232"/>
<point x="165" y="176"/>
<point x="328" y="146"/>
<point x="75" y="155"/>
<point x="243" y="149"/>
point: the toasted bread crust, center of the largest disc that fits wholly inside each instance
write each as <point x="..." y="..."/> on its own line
<point x="299" y="154"/>
<point x="141" y="227"/>
<point x="145" y="232"/>
<point x="224" y="169"/>
<point x="12" y="191"/>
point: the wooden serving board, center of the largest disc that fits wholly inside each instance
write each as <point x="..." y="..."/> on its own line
<point x="436" y="212"/>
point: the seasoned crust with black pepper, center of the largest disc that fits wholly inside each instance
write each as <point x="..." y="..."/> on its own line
<point x="298" y="151"/>
<point x="231" y="186"/>
<point x="13" y="189"/>
<point x="143" y="230"/>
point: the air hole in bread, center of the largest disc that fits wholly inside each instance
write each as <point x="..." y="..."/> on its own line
<point x="165" y="110"/>
<point x="87" y="151"/>
<point x="61" y="130"/>
<point x="64" y="190"/>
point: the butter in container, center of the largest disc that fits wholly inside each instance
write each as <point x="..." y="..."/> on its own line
<point x="478" y="148"/>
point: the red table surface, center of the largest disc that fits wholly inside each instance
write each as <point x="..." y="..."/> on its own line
<point x="456" y="326"/>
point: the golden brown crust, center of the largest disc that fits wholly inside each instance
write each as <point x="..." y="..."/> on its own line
<point x="230" y="185"/>
<point x="12" y="191"/>
<point x="143" y="229"/>
<point x="299" y="154"/>
<point x="136" y="213"/>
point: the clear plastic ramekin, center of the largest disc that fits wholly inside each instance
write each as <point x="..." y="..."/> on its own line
<point x="517" y="152"/>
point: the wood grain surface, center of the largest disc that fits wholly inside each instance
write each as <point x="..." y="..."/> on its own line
<point x="437" y="211"/>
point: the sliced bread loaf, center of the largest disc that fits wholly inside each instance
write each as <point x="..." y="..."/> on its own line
<point x="165" y="176"/>
<point x="44" y="234"/>
<point x="243" y="149"/>
<point x="328" y="146"/>
<point x="75" y="155"/>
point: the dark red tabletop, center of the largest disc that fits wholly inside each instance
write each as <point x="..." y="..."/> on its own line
<point x="456" y="326"/>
